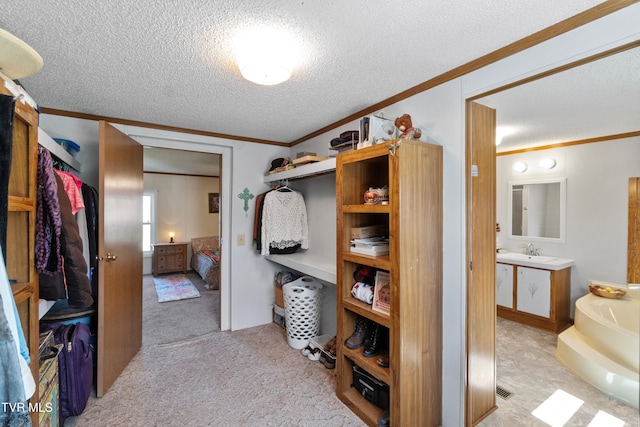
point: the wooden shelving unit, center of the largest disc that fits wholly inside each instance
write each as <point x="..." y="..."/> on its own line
<point x="413" y="172"/>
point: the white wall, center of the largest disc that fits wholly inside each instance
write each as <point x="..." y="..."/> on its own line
<point x="597" y="206"/>
<point x="183" y="208"/>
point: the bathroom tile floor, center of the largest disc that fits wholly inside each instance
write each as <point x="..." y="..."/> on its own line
<point x="527" y="367"/>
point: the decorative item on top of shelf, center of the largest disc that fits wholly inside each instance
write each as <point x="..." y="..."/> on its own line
<point x="382" y="292"/>
<point x="280" y="164"/>
<point x="374" y="196"/>
<point x="376" y="129"/>
<point x="347" y="141"/>
<point x="405" y="126"/>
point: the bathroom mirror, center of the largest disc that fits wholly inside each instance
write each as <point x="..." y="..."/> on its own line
<point x="537" y="210"/>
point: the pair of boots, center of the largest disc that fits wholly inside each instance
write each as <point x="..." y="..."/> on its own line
<point x="370" y="334"/>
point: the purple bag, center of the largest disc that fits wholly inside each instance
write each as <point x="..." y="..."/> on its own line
<point x="75" y="367"/>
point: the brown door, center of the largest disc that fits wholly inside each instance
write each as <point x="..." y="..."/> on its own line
<point x="633" y="261"/>
<point x="481" y="259"/>
<point x="120" y="247"/>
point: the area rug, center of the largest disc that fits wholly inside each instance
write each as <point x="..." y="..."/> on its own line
<point x="174" y="288"/>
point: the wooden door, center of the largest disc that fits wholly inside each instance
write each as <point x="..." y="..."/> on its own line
<point x="120" y="247"/>
<point x="481" y="263"/>
<point x="633" y="258"/>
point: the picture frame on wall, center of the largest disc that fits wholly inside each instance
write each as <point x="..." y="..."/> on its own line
<point x="214" y="202"/>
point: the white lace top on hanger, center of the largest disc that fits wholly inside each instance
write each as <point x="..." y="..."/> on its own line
<point x="284" y="221"/>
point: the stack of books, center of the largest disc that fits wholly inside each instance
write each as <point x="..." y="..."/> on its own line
<point x="372" y="246"/>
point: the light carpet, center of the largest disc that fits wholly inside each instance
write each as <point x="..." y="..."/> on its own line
<point x="189" y="373"/>
<point x="175" y="287"/>
<point x="164" y="323"/>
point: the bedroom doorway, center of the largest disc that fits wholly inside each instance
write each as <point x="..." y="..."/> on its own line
<point x="181" y="184"/>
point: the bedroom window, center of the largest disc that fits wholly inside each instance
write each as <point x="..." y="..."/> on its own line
<point x="148" y="220"/>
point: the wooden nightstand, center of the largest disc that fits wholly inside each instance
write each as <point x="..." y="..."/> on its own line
<point x="169" y="258"/>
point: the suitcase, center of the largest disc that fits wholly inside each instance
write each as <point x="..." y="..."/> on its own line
<point x="75" y="367"/>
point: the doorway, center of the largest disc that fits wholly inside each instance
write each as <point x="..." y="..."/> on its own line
<point x="178" y="185"/>
<point x="614" y="59"/>
<point x="197" y="144"/>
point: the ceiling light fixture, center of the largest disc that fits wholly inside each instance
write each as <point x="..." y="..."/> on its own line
<point x="548" y="163"/>
<point x="266" y="57"/>
<point x="520" y="167"/>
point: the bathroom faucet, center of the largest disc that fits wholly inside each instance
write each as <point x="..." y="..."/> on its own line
<point x="531" y="250"/>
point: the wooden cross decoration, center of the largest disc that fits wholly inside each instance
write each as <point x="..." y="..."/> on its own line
<point x="246" y="196"/>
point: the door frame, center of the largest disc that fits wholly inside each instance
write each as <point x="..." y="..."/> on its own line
<point x="149" y="137"/>
<point x="606" y="51"/>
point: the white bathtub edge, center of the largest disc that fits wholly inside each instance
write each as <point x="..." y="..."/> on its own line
<point x="604" y="374"/>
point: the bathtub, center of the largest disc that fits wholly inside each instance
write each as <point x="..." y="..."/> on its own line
<point x="603" y="346"/>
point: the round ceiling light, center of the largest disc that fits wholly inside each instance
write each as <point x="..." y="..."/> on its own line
<point x="548" y="163"/>
<point x="520" y="167"/>
<point x="265" y="73"/>
<point x="266" y="56"/>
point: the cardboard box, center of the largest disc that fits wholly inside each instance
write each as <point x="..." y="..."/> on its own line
<point x="368" y="231"/>
<point x="279" y="297"/>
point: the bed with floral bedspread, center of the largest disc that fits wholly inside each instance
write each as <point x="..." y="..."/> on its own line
<point x="205" y="259"/>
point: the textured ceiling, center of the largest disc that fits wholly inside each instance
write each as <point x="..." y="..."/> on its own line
<point x="596" y="99"/>
<point x="172" y="63"/>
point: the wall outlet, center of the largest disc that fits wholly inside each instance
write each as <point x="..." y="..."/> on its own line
<point x="240" y="239"/>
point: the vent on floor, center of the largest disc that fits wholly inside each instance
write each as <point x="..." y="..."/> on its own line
<point x="503" y="393"/>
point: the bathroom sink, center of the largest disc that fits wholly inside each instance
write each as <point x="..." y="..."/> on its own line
<point x="536" y="261"/>
<point x="523" y="257"/>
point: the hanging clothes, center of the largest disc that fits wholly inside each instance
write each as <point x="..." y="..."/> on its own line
<point x="16" y="381"/>
<point x="257" y="221"/>
<point x="284" y="222"/>
<point x="74" y="276"/>
<point x="90" y="196"/>
<point x="72" y="185"/>
<point x="48" y="221"/>
<point x="7" y="104"/>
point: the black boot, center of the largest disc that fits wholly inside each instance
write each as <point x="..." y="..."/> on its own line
<point x="376" y="341"/>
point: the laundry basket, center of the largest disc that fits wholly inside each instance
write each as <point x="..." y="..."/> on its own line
<point x="302" y="310"/>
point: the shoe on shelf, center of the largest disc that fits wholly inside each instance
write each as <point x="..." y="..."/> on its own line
<point x="383" y="420"/>
<point x="359" y="335"/>
<point x="383" y="360"/>
<point x="376" y="342"/>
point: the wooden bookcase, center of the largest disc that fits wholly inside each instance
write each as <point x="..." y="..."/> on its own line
<point x="413" y="172"/>
<point x="21" y="230"/>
